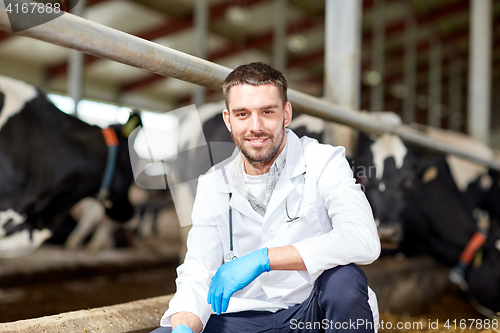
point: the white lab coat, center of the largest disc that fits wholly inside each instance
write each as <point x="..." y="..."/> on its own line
<point x="336" y="228"/>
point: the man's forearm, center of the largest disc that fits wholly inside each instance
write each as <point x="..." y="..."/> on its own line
<point x="285" y="258"/>
<point x="188" y="319"/>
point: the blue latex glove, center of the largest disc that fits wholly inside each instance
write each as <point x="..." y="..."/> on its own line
<point x="182" y="329"/>
<point x="234" y="276"/>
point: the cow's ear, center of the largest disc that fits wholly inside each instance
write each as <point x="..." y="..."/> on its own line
<point x="133" y="121"/>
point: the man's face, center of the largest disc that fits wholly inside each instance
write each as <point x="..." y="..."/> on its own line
<point x="257" y="119"/>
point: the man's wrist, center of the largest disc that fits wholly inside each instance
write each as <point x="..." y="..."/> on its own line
<point x="286" y="258"/>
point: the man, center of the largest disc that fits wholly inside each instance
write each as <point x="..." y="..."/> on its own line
<point x="290" y="212"/>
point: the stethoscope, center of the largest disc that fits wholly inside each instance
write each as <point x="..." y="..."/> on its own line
<point x="231" y="256"/>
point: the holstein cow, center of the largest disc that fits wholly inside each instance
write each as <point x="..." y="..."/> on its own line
<point x="49" y="161"/>
<point x="422" y="198"/>
<point x="205" y="141"/>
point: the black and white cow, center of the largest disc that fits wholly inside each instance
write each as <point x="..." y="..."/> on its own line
<point x="49" y="161"/>
<point x="433" y="203"/>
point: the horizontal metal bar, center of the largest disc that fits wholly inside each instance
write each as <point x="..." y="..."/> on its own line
<point x="80" y="34"/>
<point x="369" y="124"/>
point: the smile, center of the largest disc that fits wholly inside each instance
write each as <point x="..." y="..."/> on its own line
<point x="258" y="142"/>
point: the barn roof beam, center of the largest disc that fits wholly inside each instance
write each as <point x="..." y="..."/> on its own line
<point x="172" y="26"/>
<point x="257" y="42"/>
<point x="393" y="102"/>
<point x="445" y="12"/>
<point x="310" y="58"/>
<point x="424" y="66"/>
<point x="426" y="21"/>
<point x="395" y="57"/>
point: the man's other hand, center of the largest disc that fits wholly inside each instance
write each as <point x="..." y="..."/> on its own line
<point x="234" y="276"/>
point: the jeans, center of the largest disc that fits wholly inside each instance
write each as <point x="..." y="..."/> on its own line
<point x="337" y="303"/>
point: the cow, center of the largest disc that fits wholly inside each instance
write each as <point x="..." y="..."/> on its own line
<point x="436" y="204"/>
<point x="49" y="161"/>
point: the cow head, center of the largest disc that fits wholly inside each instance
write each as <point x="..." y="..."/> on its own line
<point x="483" y="275"/>
<point x="484" y="193"/>
<point x="119" y="207"/>
<point x="385" y="173"/>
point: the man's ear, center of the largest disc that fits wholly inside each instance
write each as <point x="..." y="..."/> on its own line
<point x="225" y="116"/>
<point x="288" y="113"/>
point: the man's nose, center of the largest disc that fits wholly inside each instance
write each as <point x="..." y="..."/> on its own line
<point x="256" y="124"/>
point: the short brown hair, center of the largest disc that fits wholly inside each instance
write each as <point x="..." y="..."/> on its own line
<point x="256" y="73"/>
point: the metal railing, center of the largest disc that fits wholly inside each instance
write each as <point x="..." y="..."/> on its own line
<point x="80" y="34"/>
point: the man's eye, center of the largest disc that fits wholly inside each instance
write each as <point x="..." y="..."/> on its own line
<point x="268" y="111"/>
<point x="241" y="114"/>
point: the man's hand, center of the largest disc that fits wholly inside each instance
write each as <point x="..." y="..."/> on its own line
<point x="186" y="322"/>
<point x="182" y="329"/>
<point x="234" y="276"/>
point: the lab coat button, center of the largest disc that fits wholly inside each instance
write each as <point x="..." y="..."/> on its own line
<point x="271" y="234"/>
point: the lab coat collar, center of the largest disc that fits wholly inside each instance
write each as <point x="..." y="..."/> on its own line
<point x="238" y="200"/>
<point x="295" y="163"/>
<point x="294" y="166"/>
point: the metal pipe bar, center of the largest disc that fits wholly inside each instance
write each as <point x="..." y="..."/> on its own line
<point x="455" y="95"/>
<point x="435" y="78"/>
<point x="363" y="121"/>
<point x="76" y="65"/>
<point x="410" y="69"/>
<point x="75" y="32"/>
<point x="80" y="34"/>
<point x="279" y="35"/>
<point x="378" y="56"/>
<point x="342" y="65"/>
<point x="480" y="46"/>
<point x="201" y="18"/>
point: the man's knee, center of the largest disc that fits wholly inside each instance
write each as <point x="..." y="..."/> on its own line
<point x="342" y="284"/>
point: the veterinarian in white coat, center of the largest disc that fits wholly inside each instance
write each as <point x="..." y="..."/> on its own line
<point x="314" y="211"/>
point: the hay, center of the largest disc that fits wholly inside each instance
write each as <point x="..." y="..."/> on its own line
<point x="451" y="309"/>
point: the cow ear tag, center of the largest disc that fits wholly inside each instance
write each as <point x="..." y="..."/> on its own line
<point x="478" y="259"/>
<point x="430" y="174"/>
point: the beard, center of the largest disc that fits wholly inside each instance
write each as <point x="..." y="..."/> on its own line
<point x="264" y="154"/>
